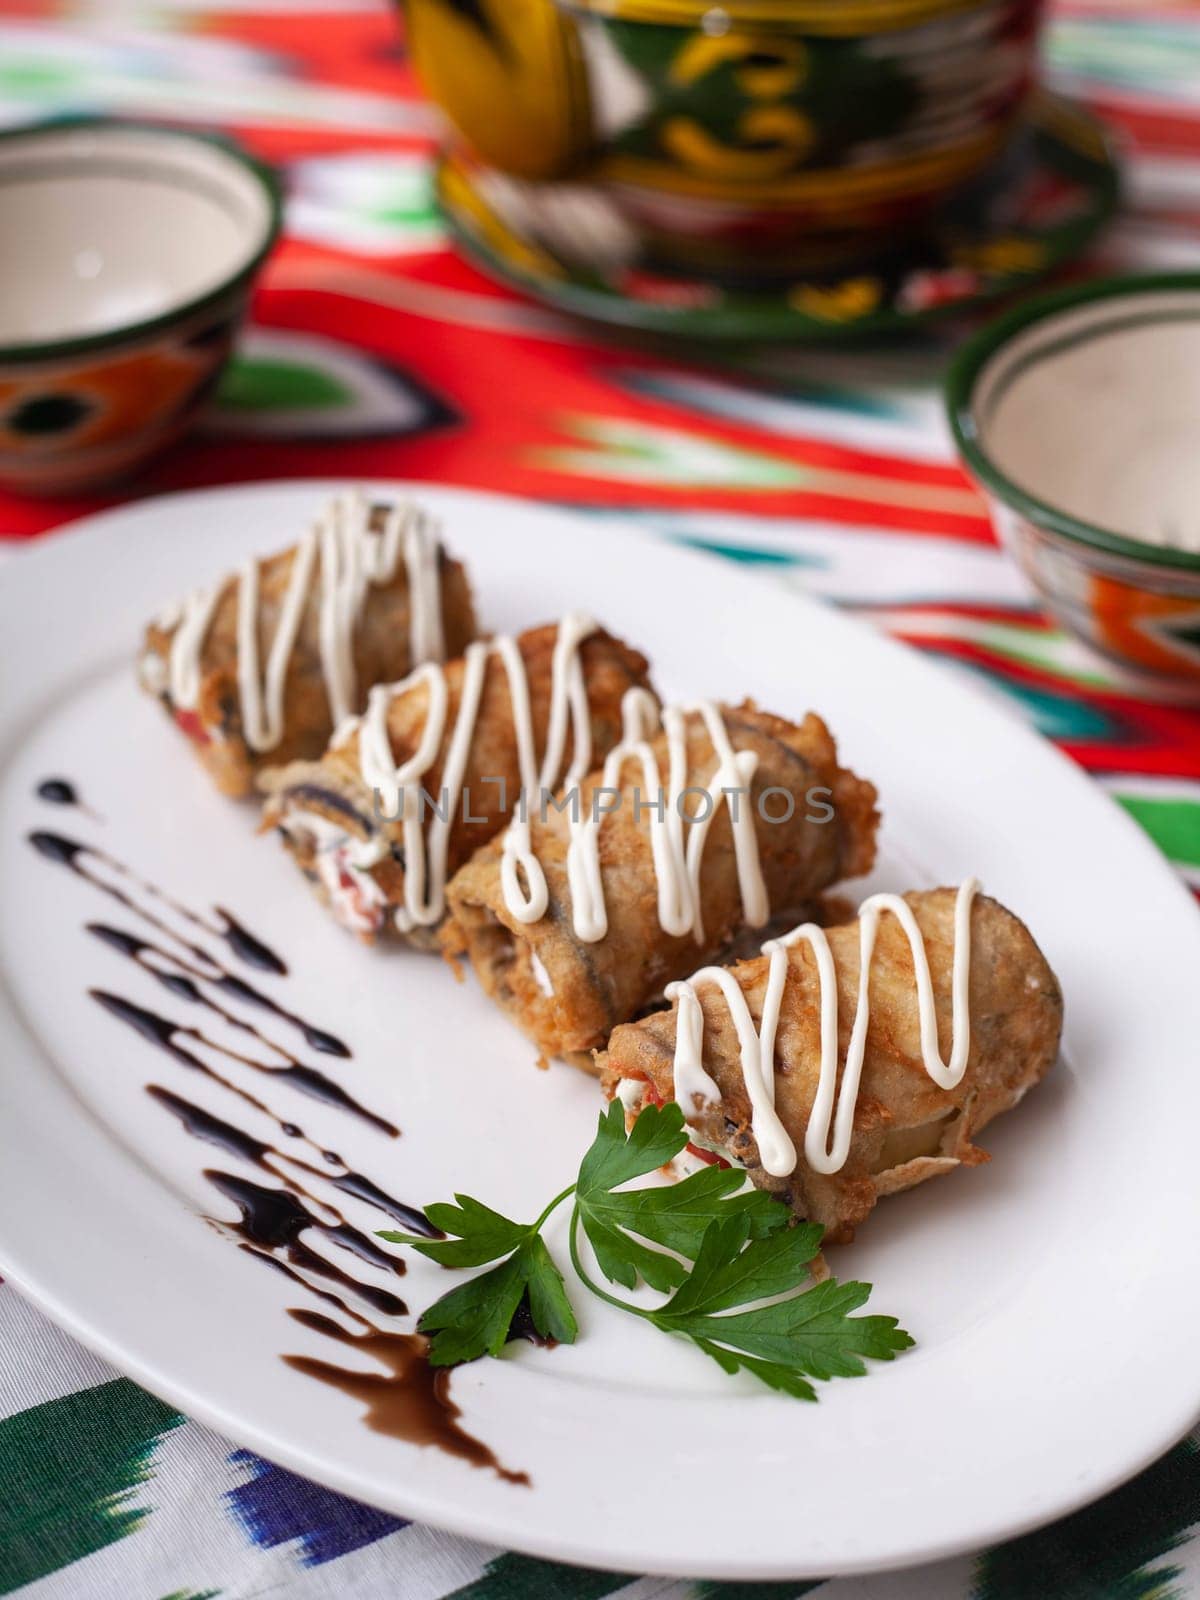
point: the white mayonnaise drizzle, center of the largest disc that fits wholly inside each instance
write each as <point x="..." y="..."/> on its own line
<point x="428" y="820"/>
<point x="568" y="694"/>
<point x="677" y="854"/>
<point x="349" y="556"/>
<point x="757" y="1045"/>
<point x="677" y="844"/>
<point x="631" y="1092"/>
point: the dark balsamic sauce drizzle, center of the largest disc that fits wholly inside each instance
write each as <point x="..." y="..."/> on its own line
<point x="319" y="1039"/>
<point x="236" y="1141"/>
<point x="165" y="1033"/>
<point x="183" y="981"/>
<point x="273" y="1220"/>
<point x="62" y="792"/>
<point x="57" y="792"/>
<point x="289" y="1271"/>
<point x="410" y="1400"/>
<point x="522" y="1326"/>
<point x="248" y="947"/>
<point x="245" y="945"/>
<point x="71" y="853"/>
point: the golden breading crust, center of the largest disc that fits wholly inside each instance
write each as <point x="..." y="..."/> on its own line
<point x="333" y="788"/>
<point x="568" y="995"/>
<point x="906" y="1128"/>
<point x="381" y="655"/>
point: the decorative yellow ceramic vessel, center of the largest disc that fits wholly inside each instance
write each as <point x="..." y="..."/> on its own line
<point x="729" y="135"/>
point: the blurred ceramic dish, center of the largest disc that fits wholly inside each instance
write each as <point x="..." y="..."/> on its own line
<point x="566" y="244"/>
<point x="729" y="135"/>
<point x="1079" y="415"/>
<point x="510" y="75"/>
<point x="730" y="138"/>
<point x="128" y="258"/>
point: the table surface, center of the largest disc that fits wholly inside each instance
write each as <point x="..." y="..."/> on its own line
<point x="375" y="351"/>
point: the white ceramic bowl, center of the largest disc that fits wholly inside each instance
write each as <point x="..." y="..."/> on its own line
<point x="128" y="257"/>
<point x="1079" y="415"/>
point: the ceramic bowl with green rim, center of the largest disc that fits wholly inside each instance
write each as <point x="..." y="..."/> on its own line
<point x="1078" y="413"/>
<point x="129" y="255"/>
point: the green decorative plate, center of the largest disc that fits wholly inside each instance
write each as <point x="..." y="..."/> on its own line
<point x="570" y="245"/>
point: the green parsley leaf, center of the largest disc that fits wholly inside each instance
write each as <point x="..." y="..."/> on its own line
<point x="616" y="1157"/>
<point x="619" y="1222"/>
<point x="482" y="1234"/>
<point x="768" y="1372"/>
<point x="476" y="1318"/>
<point x="732" y="1261"/>
<point x="548" y="1304"/>
<point x="732" y="1269"/>
<point x="784" y="1342"/>
<point x="812" y="1332"/>
<point x="677" y="1215"/>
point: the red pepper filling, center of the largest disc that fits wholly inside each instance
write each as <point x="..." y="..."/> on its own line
<point x="352" y="885"/>
<point x="189" y="722"/>
<point x="709" y="1157"/>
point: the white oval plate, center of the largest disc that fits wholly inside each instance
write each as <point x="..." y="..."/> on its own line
<point x="1051" y="1292"/>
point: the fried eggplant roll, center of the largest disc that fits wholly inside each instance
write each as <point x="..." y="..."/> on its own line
<point x="726" y="818"/>
<point x="436" y="767"/>
<point x="960" y="1017"/>
<point x="262" y="668"/>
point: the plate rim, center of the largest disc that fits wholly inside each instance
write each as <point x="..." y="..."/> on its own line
<point x="470" y="1522"/>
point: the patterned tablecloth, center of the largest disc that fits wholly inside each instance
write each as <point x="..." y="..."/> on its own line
<point x="375" y="351"/>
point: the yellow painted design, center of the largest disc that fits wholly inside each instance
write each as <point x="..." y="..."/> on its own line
<point x="772" y="137"/>
<point x="831" y="18"/>
<point x="837" y="302"/>
<point x="1006" y="254"/>
<point x="511" y="79"/>
<point x="835" y="188"/>
<point x="786" y="133"/>
<point x="1080" y="133"/>
<point x="459" y="195"/>
<point x="758" y="79"/>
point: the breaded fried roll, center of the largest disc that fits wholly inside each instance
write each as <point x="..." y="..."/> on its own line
<point x="725" y="818"/>
<point x="843" y="1065"/>
<point x="437" y="765"/>
<point x="262" y="668"/>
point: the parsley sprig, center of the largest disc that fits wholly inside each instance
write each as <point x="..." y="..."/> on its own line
<point x="732" y="1261"/>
